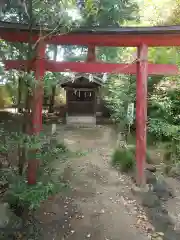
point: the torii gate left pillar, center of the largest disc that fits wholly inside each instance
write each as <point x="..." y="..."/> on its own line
<point x="37" y="103"/>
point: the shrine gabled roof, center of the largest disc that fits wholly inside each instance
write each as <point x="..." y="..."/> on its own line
<point x="174" y="29"/>
<point x="96" y="79"/>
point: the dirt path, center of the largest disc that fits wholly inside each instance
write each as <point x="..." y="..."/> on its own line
<point x="96" y="208"/>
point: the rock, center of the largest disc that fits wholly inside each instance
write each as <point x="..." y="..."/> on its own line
<point x="4" y="213"/>
<point x="156" y="236"/>
<point x="149" y="199"/>
<point x="170" y="234"/>
<point x="151" y="168"/>
<point x="159" y="238"/>
<point x="161" y="234"/>
<point x="8" y="218"/>
<point x="160" y="219"/>
<point x="150" y="177"/>
<point x="163" y="190"/>
<point x="150" y="228"/>
<point x="174" y="171"/>
<point x="139" y="190"/>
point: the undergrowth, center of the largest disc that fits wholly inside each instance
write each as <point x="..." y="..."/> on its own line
<point x="124" y="159"/>
<point x="19" y="193"/>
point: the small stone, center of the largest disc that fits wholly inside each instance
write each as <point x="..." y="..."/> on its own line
<point x="102" y="211"/>
<point x="139" y="222"/>
<point x="143" y="217"/>
<point x="159" y="238"/>
<point x="154" y="235"/>
<point x="150" y="228"/>
<point x="151" y="168"/>
<point x="88" y="235"/>
<point x="161" y="234"/>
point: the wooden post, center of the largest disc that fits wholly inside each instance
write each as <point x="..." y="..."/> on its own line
<point x="95" y="102"/>
<point x="37" y="103"/>
<point x="91" y="56"/>
<point x="141" y="112"/>
<point x="52" y="99"/>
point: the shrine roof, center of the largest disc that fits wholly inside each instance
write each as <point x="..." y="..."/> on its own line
<point x="174" y="29"/>
<point x="95" y="79"/>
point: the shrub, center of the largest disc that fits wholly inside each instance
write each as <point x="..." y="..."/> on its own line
<point x="27" y="196"/>
<point x="62" y="147"/>
<point x="148" y="157"/>
<point x="24" y="196"/>
<point x="123" y="159"/>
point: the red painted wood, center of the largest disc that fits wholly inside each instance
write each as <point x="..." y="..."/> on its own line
<point x="94" y="67"/>
<point x="129" y="40"/>
<point x="39" y="67"/>
<point x="141" y="112"/>
<point x="18" y="36"/>
<point x="91" y="56"/>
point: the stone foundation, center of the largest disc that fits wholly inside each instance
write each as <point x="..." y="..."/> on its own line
<point x="81" y="120"/>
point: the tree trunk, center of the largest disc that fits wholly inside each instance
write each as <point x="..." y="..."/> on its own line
<point x="26" y="124"/>
<point x="26" y="129"/>
<point x="52" y="99"/>
<point x="20" y="81"/>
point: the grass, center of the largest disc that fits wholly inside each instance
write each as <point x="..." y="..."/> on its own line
<point x="124" y="159"/>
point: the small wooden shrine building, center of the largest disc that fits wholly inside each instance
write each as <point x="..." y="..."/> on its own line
<point x="82" y="95"/>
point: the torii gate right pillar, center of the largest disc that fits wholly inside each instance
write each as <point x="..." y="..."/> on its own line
<point x="141" y="112"/>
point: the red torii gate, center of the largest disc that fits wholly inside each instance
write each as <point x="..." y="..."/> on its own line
<point x="140" y="37"/>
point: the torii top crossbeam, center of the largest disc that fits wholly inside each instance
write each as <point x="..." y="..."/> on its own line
<point x="122" y="36"/>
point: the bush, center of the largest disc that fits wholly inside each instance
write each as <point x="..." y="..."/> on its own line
<point x="148" y="157"/>
<point x="123" y="159"/>
<point x="20" y="194"/>
<point x="24" y="196"/>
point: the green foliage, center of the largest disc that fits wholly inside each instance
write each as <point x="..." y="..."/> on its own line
<point x="148" y="156"/>
<point x="164" y="114"/>
<point x="120" y="92"/>
<point x="62" y="147"/>
<point x="109" y="13"/>
<point x="123" y="159"/>
<point x="20" y="193"/>
<point x="5" y="99"/>
<point x="48" y="183"/>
